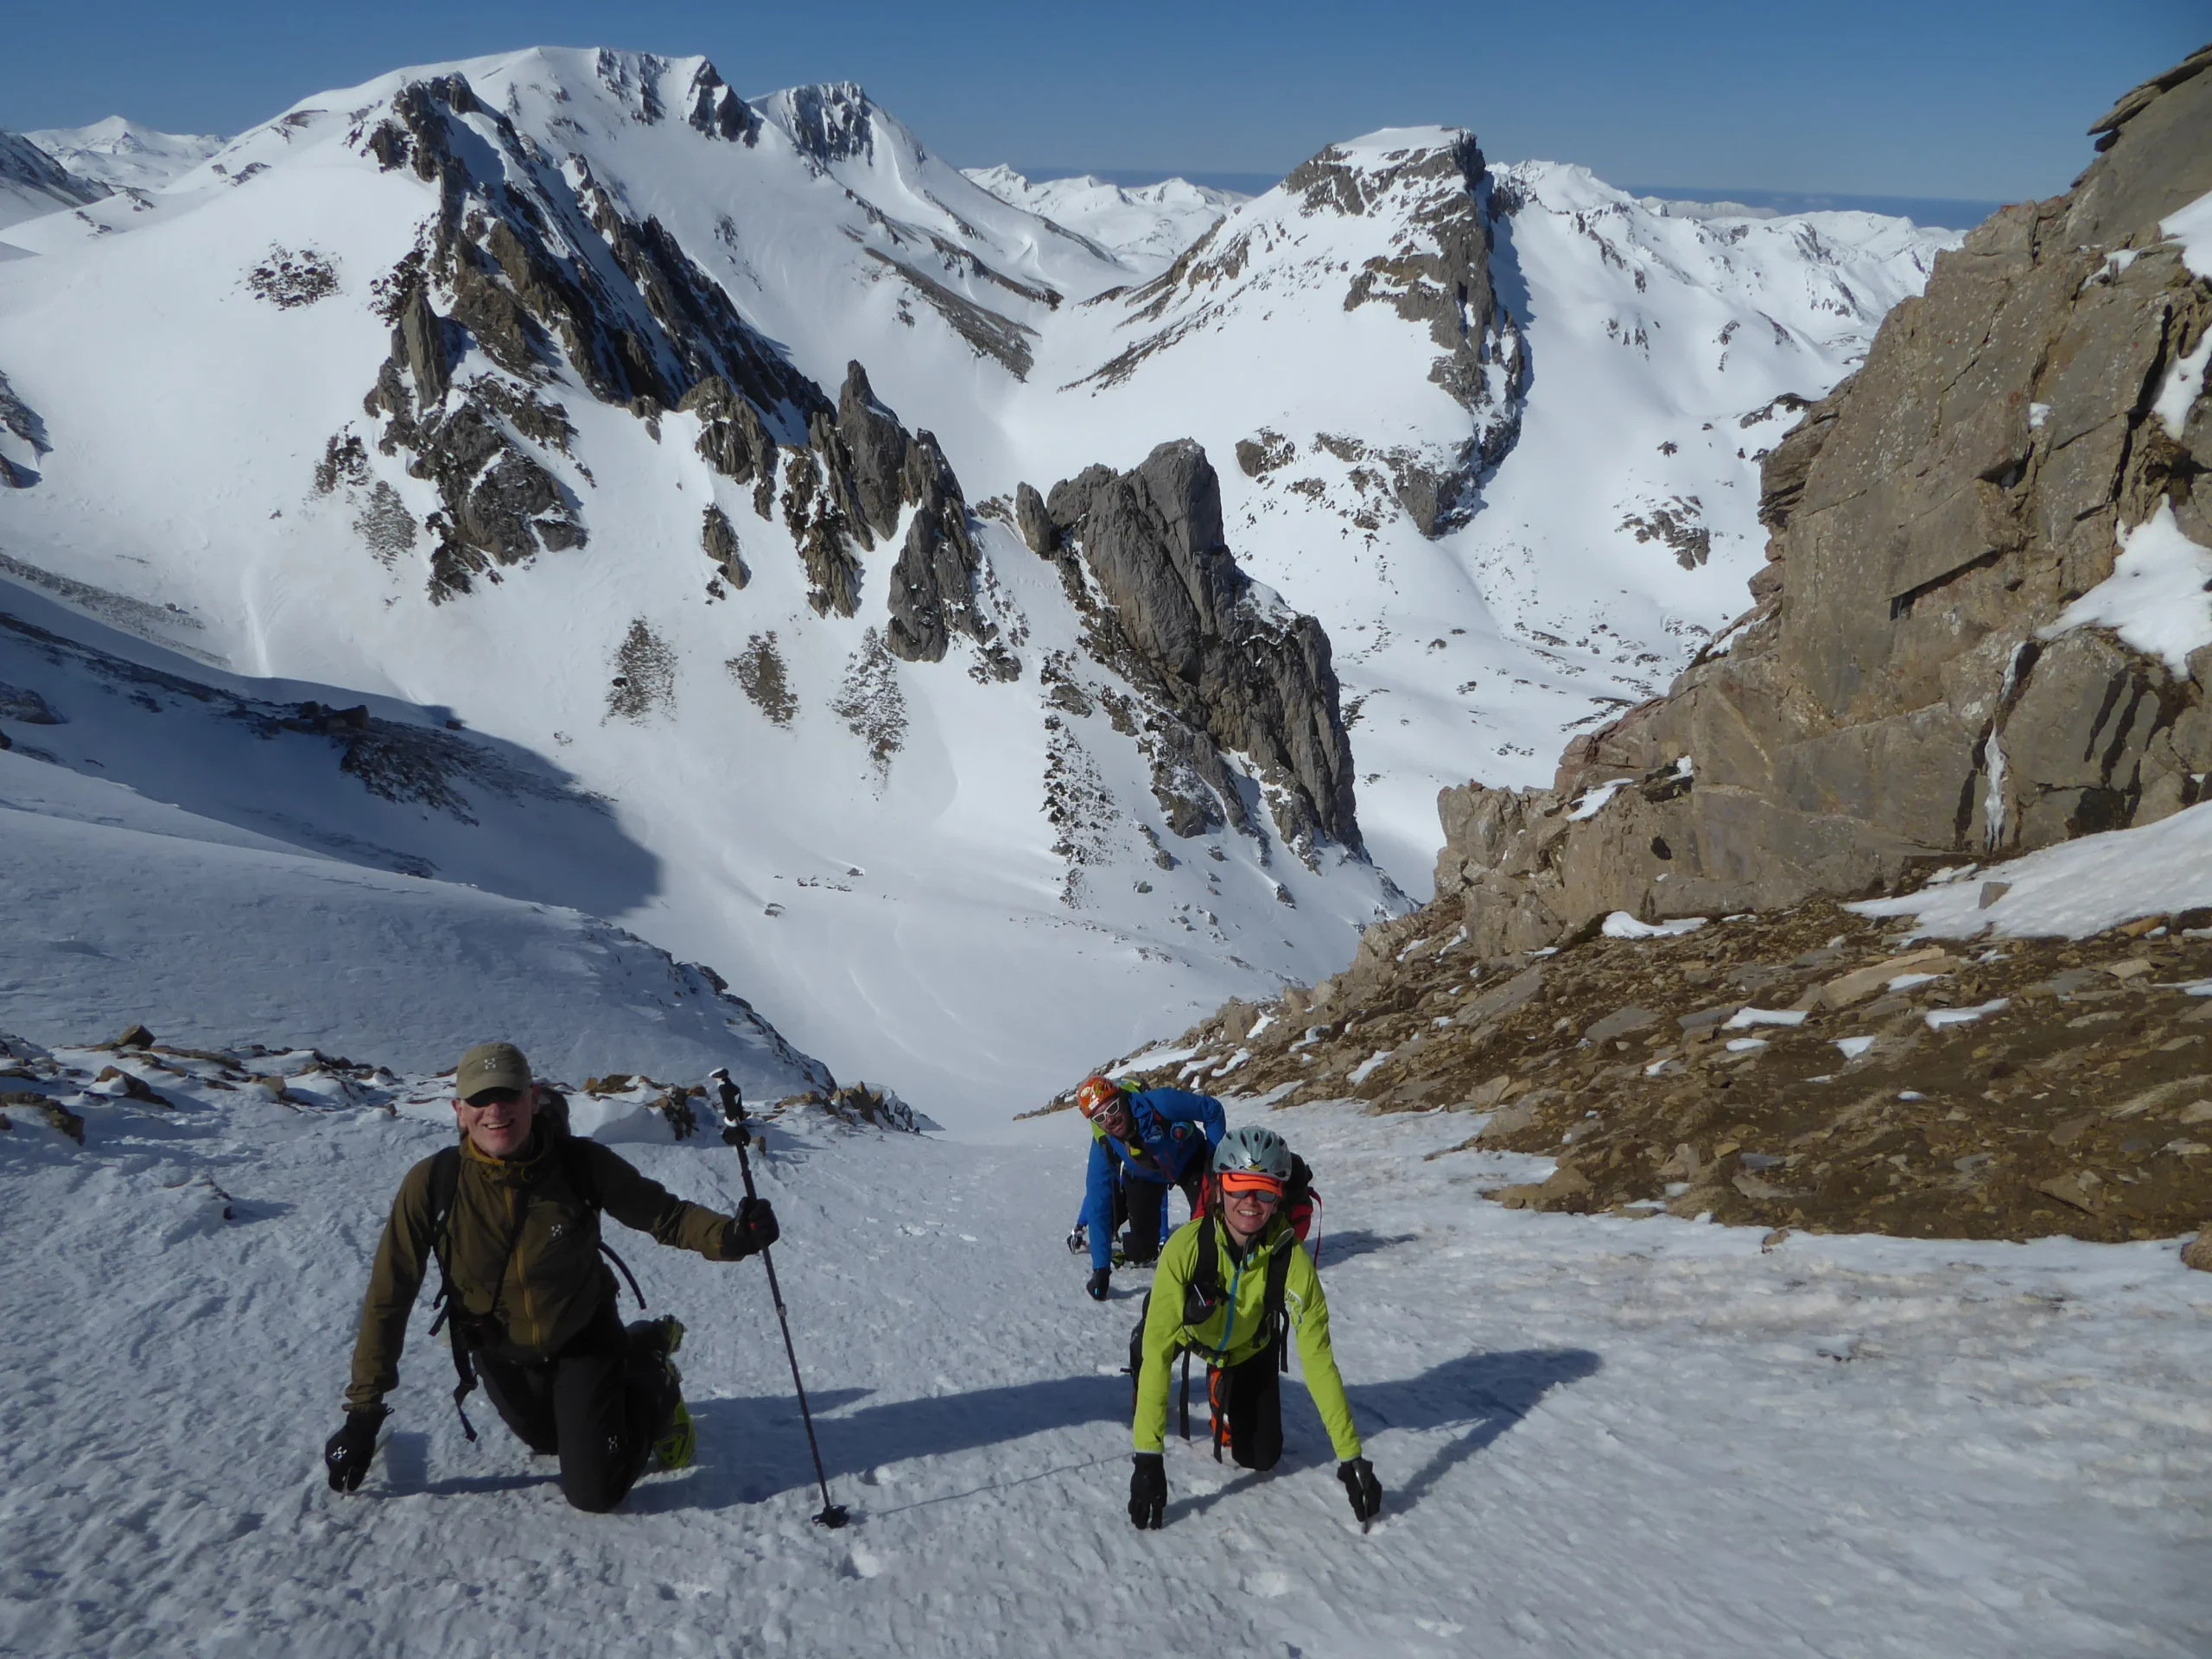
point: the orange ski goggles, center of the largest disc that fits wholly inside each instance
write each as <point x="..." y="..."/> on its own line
<point x="1239" y="1183"/>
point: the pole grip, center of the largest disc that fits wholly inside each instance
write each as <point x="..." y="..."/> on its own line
<point x="735" y="1133"/>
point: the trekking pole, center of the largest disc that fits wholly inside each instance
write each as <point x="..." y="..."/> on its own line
<point x="735" y="1134"/>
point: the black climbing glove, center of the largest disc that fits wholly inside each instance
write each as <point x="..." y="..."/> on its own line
<point x="753" y="1229"/>
<point x="1079" y="1239"/>
<point x="347" y="1454"/>
<point x="1149" y="1492"/>
<point x="1096" y="1286"/>
<point x="1366" y="1491"/>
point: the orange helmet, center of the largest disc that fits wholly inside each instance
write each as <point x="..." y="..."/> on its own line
<point x="1096" y="1095"/>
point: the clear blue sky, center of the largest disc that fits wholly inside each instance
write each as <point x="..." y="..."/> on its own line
<point x="1934" y="97"/>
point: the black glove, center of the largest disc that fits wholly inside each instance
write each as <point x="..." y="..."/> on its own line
<point x="753" y="1230"/>
<point x="1149" y="1492"/>
<point x="1095" y="1286"/>
<point x="1366" y="1491"/>
<point x="347" y="1453"/>
<point x="1079" y="1239"/>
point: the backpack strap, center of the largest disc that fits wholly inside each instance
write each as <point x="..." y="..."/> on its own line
<point x="575" y="1153"/>
<point x="1202" y="1294"/>
<point x="1278" y="1279"/>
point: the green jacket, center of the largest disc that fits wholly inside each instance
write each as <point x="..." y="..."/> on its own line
<point x="1239" y="1322"/>
<point x="522" y="1236"/>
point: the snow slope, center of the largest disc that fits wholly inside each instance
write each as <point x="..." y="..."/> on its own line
<point x="913" y="913"/>
<point x="1595" y="1436"/>
<point x="1145" y="225"/>
<point x="2074" y="890"/>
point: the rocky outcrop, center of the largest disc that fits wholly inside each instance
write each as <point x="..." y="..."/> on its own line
<point x="23" y="443"/>
<point x="1810" y="1068"/>
<point x="1228" y="665"/>
<point x="732" y="440"/>
<point x="40" y="183"/>
<point x="1917" y="680"/>
<point x="718" y="112"/>
<point x="514" y="260"/>
<point x="718" y="540"/>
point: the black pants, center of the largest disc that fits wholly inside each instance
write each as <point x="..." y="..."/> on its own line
<point x="1246" y="1400"/>
<point x="1141" y="1203"/>
<point x="596" y="1404"/>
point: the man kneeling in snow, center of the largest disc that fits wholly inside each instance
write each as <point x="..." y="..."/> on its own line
<point x="510" y="1217"/>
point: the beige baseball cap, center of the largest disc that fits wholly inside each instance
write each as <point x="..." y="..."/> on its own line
<point x="491" y="1065"/>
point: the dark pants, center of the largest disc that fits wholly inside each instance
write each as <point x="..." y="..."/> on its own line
<point x="1246" y="1400"/>
<point x="1143" y="1204"/>
<point x="596" y="1404"/>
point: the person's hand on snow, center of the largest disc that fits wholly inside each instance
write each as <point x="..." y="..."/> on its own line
<point x="1096" y="1286"/>
<point x="753" y="1230"/>
<point x="346" y="1454"/>
<point x="1149" y="1492"/>
<point x="1365" y="1492"/>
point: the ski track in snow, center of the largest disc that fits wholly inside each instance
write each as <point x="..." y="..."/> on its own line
<point x="1596" y="1436"/>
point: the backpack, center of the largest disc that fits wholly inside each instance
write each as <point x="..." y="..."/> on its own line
<point x="468" y="1330"/>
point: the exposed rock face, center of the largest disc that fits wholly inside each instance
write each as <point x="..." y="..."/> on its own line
<point x="1227" y="662"/>
<point x="933" y="584"/>
<point x="718" y="540"/>
<point x="1037" y="533"/>
<point x="507" y="262"/>
<point x="831" y="122"/>
<point x="39" y="181"/>
<point x="718" y="112"/>
<point x="23" y="441"/>
<point x="1903" y="690"/>
<point x="732" y="440"/>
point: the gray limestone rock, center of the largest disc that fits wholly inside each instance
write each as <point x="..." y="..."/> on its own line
<point x="718" y="540"/>
<point x="933" y="584"/>
<point x="877" y="446"/>
<point x="1235" y="669"/>
<point x="1038" y="531"/>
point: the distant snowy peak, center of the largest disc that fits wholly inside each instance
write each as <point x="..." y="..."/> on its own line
<point x="32" y="182"/>
<point x="121" y="154"/>
<point x="1146" y="225"/>
<point x="1827" y="279"/>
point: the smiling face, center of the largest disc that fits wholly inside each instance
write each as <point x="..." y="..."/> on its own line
<point x="498" y="1120"/>
<point x="1247" y="1212"/>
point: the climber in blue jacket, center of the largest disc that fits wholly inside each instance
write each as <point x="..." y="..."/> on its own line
<point x="1142" y="1141"/>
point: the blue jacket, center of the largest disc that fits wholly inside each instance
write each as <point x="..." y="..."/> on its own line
<point x="1174" y="1129"/>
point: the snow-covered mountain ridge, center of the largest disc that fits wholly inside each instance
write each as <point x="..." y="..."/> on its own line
<point x="524" y="388"/>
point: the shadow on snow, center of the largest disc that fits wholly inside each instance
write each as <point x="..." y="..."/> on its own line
<point x="1480" y="1395"/>
<point x="753" y="1448"/>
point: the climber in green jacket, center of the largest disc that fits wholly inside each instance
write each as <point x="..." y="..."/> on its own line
<point x="1237" y="1309"/>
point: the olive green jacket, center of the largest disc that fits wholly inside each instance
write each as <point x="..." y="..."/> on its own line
<point x="524" y="1248"/>
<point x="1237" y="1330"/>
